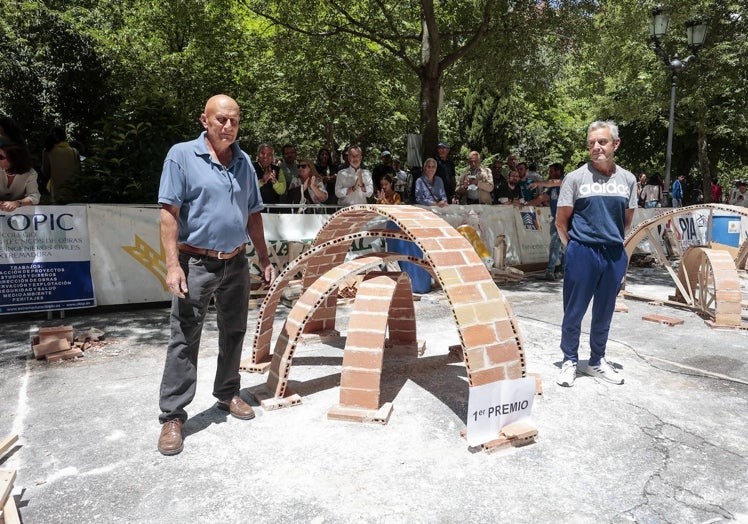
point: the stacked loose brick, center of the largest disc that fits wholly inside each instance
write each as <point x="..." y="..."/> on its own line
<point x="55" y="343"/>
<point x="491" y="342"/>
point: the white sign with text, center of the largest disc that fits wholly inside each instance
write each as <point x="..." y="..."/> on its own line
<point x="495" y="405"/>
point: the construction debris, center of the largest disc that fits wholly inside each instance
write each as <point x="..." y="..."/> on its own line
<point x="662" y="319"/>
<point x="58" y="343"/>
<point x="507" y="275"/>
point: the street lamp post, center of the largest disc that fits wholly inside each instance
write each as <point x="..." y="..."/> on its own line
<point x="696" y="32"/>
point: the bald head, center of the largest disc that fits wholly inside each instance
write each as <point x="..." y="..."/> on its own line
<point x="218" y="102"/>
<point x="221" y="121"/>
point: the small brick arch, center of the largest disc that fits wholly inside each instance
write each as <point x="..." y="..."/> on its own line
<point x="309" y="302"/>
<point x="491" y="341"/>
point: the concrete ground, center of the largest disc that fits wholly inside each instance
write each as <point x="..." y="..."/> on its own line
<point x="669" y="445"/>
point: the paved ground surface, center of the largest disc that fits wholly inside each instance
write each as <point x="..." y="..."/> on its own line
<point x="669" y="445"/>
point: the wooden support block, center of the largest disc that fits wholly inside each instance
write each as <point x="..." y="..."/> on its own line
<point x="10" y="512"/>
<point x="50" y="346"/>
<point x="621" y="307"/>
<point x="6" y="444"/>
<point x="7" y="477"/>
<point x="662" y="319"/>
<point x="64" y="355"/>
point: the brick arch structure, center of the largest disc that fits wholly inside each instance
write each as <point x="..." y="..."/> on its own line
<point x="259" y="361"/>
<point x="402" y="326"/>
<point x="491" y="341"/>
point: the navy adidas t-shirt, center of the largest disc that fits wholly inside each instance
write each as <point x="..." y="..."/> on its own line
<point x="599" y="203"/>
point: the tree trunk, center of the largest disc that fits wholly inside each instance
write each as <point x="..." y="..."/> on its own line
<point x="430" y="88"/>
<point x="430" y="78"/>
<point x="706" y="177"/>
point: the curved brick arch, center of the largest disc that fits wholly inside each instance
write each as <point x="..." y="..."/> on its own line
<point x="301" y="314"/>
<point x="259" y="360"/>
<point x="491" y="341"/>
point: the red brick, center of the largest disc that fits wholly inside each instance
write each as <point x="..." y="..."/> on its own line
<point x="502" y="352"/>
<point x="54" y="345"/>
<point x="487" y="376"/>
<point x="361" y="398"/>
<point x="360" y="378"/>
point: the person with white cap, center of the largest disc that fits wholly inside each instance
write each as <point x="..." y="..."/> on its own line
<point x="382" y="168"/>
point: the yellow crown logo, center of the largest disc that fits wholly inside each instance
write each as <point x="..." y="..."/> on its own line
<point x="153" y="261"/>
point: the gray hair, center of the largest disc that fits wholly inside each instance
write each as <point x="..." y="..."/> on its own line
<point x="265" y="145"/>
<point x="597" y="124"/>
<point x="428" y="160"/>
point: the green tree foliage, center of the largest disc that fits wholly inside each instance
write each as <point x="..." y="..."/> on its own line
<point x="130" y="77"/>
<point x="51" y="73"/>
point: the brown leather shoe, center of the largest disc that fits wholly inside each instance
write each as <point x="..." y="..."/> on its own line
<point x="237" y="407"/>
<point x="170" y="440"/>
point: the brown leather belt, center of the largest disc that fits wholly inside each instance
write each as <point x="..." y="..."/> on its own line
<point x="220" y="255"/>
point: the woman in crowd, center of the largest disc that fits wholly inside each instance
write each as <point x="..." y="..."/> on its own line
<point x="387" y="194"/>
<point x="327" y="169"/>
<point x="309" y="187"/>
<point x="651" y="194"/>
<point x="429" y="187"/>
<point x="18" y="180"/>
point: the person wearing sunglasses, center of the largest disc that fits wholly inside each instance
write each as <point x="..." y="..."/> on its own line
<point x="18" y="180"/>
<point x="309" y="187"/>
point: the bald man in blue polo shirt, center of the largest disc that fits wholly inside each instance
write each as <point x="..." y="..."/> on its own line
<point x="595" y="207"/>
<point x="210" y="208"/>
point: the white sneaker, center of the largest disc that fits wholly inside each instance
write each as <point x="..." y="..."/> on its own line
<point x="605" y="372"/>
<point x="568" y="374"/>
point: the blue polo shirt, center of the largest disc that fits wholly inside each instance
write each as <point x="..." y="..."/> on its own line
<point x="214" y="201"/>
<point x="599" y="203"/>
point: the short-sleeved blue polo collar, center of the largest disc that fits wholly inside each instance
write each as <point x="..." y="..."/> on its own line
<point x="201" y="149"/>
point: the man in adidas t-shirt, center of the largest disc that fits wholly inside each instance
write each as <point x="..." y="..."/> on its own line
<point x="595" y="207"/>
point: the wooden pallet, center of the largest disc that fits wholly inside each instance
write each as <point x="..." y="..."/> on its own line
<point x="9" y="513"/>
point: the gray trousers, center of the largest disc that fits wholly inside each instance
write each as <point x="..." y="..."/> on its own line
<point x="228" y="281"/>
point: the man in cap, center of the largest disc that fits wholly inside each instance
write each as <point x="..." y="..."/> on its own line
<point x="445" y="169"/>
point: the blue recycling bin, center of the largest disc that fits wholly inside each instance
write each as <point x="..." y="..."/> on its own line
<point x="726" y="230"/>
<point x="420" y="279"/>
